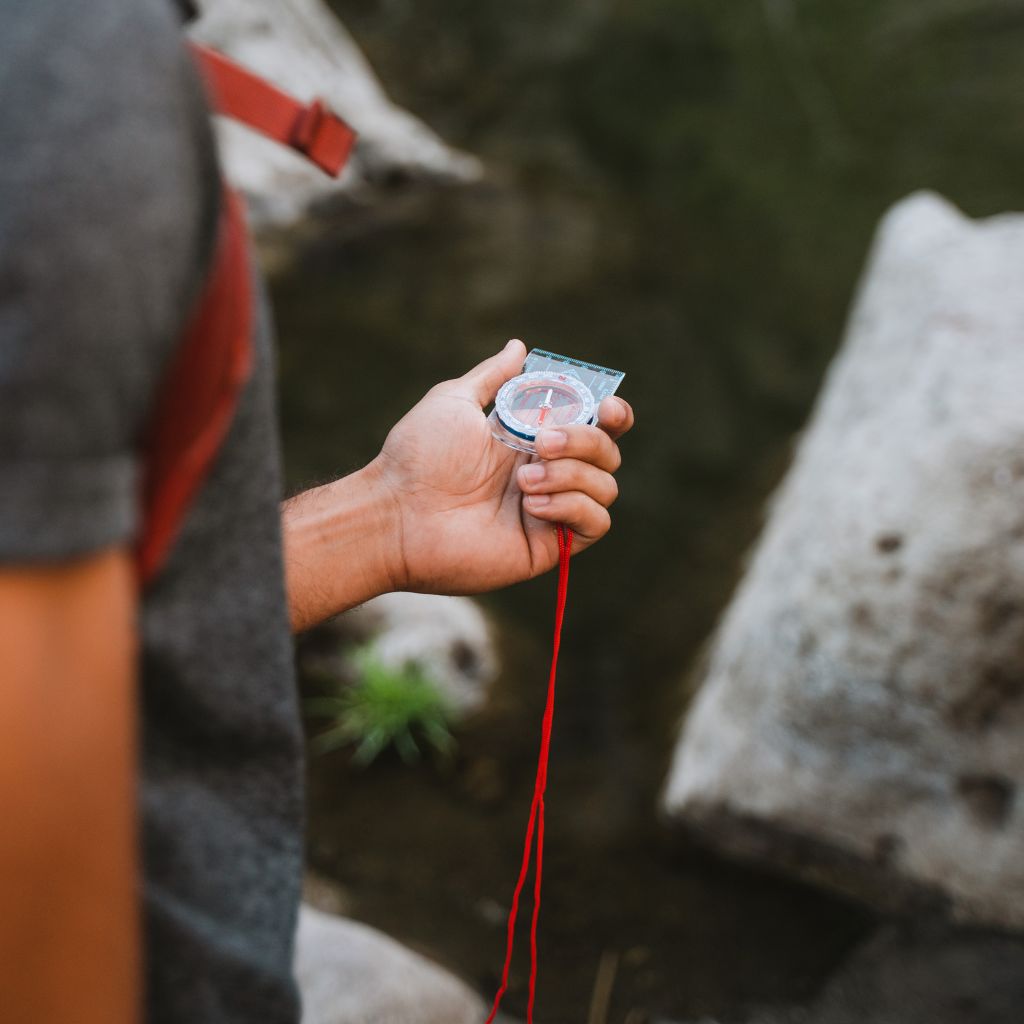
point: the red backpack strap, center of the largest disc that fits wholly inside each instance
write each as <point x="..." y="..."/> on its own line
<point x="204" y="382"/>
<point x="310" y="129"/>
<point x="199" y="393"/>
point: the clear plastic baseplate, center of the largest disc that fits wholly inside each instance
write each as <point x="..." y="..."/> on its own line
<point x="552" y="391"/>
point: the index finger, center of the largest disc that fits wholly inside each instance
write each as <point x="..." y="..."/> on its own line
<point x="615" y="417"/>
<point x="586" y="443"/>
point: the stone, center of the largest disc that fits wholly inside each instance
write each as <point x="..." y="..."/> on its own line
<point x="300" y="46"/>
<point x="349" y="973"/>
<point x="325" y="894"/>
<point x="860" y="717"/>
<point x="946" y="978"/>
<point x="448" y="638"/>
<point x="918" y="975"/>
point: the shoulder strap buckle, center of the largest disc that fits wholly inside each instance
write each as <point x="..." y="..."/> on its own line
<point x="311" y="129"/>
<point x="322" y="137"/>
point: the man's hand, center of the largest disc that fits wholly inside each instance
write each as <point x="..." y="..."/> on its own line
<point x="473" y="515"/>
<point x="445" y="508"/>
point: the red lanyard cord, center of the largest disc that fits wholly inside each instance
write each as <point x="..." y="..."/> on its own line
<point x="535" y="824"/>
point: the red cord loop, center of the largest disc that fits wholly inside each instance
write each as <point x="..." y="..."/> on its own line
<point x="535" y="823"/>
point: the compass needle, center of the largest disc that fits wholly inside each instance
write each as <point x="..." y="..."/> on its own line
<point x="545" y="407"/>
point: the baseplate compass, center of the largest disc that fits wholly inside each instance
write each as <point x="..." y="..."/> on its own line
<point x="552" y="391"/>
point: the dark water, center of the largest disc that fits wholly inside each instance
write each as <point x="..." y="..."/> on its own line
<point x="685" y="190"/>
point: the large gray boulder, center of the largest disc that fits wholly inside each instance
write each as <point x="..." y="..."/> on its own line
<point x="301" y="47"/>
<point x="349" y="973"/>
<point x="861" y="714"/>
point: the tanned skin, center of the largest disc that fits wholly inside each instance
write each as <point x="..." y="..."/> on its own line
<point x="69" y="931"/>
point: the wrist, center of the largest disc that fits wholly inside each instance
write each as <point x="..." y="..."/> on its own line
<point x="342" y="546"/>
<point x="385" y="534"/>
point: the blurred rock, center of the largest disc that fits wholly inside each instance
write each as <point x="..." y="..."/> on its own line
<point x="300" y="46"/>
<point x="349" y="973"/>
<point x="948" y="977"/>
<point x="861" y="718"/>
<point x="325" y="894"/>
<point x="448" y="638"/>
<point x="909" y="979"/>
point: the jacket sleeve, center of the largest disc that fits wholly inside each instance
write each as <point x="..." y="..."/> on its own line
<point x="107" y="183"/>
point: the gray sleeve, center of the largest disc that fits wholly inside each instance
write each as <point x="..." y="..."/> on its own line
<point x="106" y="177"/>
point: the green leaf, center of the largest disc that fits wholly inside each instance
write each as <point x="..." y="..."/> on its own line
<point x="402" y="708"/>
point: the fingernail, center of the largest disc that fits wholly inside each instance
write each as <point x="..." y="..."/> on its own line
<point x="532" y="474"/>
<point x="538" y="500"/>
<point x="613" y="411"/>
<point x="510" y="343"/>
<point x="552" y="441"/>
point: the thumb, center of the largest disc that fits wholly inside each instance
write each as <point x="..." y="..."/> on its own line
<point x="482" y="383"/>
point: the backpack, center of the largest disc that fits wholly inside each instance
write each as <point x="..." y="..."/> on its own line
<point x="199" y="394"/>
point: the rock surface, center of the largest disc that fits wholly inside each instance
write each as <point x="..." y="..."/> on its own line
<point x="349" y="973"/>
<point x="947" y="978"/>
<point x="448" y="638"/>
<point x="919" y="976"/>
<point x="300" y="46"/>
<point x="861" y="715"/>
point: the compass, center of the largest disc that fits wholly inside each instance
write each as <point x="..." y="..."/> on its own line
<point x="555" y="391"/>
<point x="532" y="401"/>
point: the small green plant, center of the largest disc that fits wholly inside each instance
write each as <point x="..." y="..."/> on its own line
<point x="386" y="707"/>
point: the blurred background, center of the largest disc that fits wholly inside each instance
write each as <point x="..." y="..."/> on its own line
<point x="686" y="190"/>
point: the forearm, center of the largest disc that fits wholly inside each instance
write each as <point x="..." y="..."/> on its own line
<point x="339" y="546"/>
<point x="69" y="942"/>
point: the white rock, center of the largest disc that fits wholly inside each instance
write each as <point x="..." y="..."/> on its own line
<point x="301" y="47"/>
<point x="448" y="637"/>
<point x="865" y="689"/>
<point x="349" y="973"/>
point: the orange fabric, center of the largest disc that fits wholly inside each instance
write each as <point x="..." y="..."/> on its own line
<point x="199" y="394"/>
<point x="311" y="129"/>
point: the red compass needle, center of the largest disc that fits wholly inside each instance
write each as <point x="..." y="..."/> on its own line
<point x="545" y="407"/>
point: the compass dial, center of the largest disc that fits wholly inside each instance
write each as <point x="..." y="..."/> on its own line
<point x="532" y="401"/>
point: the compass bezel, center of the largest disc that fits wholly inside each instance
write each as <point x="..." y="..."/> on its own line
<point x="563" y="381"/>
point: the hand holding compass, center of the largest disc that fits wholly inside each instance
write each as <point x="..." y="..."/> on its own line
<point x="461" y="522"/>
